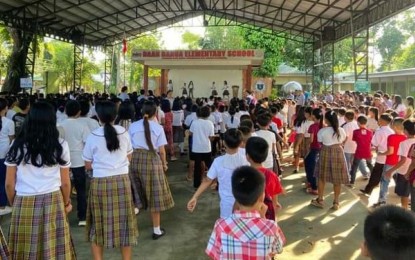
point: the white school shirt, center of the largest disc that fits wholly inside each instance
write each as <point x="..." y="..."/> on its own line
<point x="160" y="114"/>
<point x="32" y="180"/>
<point x="372" y="124"/>
<point x="75" y="132"/>
<point x="123" y="96"/>
<point x="380" y="141"/>
<point x="60" y="117"/>
<point x="304" y="128"/>
<point x="326" y="137"/>
<point x="10" y="114"/>
<point x="342" y="120"/>
<point x="222" y="169"/>
<point x="218" y="121"/>
<point x="104" y="162"/>
<point x="7" y="129"/>
<point x="271" y="140"/>
<point x="137" y="136"/>
<point x="401" y="109"/>
<point x="201" y="130"/>
<point x="229" y="124"/>
<point x="190" y="118"/>
<point x="403" y="150"/>
<point x="178" y="118"/>
<point x="92" y="124"/>
<point x="350" y="145"/>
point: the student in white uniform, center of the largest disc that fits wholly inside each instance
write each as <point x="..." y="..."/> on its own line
<point x="149" y="164"/>
<point x="38" y="186"/>
<point x="263" y="121"/>
<point x="111" y="221"/>
<point x="6" y="136"/>
<point x="75" y="133"/>
<point x="91" y="123"/>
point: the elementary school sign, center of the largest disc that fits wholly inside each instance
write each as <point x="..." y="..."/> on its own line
<point x="141" y="55"/>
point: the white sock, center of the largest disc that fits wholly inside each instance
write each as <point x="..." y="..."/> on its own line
<point x="181" y="146"/>
<point x="156" y="230"/>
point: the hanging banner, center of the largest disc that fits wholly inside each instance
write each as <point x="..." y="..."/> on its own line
<point x="26" y="83"/>
<point x="140" y="55"/>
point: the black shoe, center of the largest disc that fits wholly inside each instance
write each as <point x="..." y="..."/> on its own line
<point x="367" y="194"/>
<point x="157" y="236"/>
<point x="295" y="171"/>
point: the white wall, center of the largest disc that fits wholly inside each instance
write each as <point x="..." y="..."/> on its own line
<point x="202" y="81"/>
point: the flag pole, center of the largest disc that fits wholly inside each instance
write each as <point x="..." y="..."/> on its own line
<point x="124" y="50"/>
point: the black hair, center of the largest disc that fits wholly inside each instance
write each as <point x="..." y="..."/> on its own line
<point x="232" y="112"/>
<point x="318" y="114"/>
<point x="126" y="111"/>
<point x="397" y="101"/>
<point x="38" y="142"/>
<point x="247" y="123"/>
<point x="389" y="233"/>
<point x="245" y="117"/>
<point x="148" y="111"/>
<point x="107" y="111"/>
<point x="177" y="105"/>
<point x="232" y="138"/>
<point x="247" y="185"/>
<point x="123" y="89"/>
<point x="409" y="126"/>
<point x="23" y="103"/>
<point x="362" y="120"/>
<point x="331" y="117"/>
<point x="72" y="108"/>
<point x="165" y="106"/>
<point x="410" y="101"/>
<point x="142" y="91"/>
<point x="342" y="111"/>
<point x="257" y="149"/>
<point x="300" y="116"/>
<point x="386" y="117"/>
<point x="349" y="115"/>
<point x="3" y="105"/>
<point x="264" y="119"/>
<point x="84" y="107"/>
<point x="375" y="112"/>
<point x="203" y="112"/>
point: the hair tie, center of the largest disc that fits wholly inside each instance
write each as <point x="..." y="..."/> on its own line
<point x="332" y="113"/>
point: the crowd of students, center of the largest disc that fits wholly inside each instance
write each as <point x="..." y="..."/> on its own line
<point x="124" y="144"/>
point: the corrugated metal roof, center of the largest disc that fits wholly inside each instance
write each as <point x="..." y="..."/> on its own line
<point x="105" y="21"/>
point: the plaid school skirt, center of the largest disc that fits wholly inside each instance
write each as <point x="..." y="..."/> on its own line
<point x="149" y="168"/>
<point x="305" y="147"/>
<point x="4" y="249"/>
<point x="39" y="228"/>
<point x="331" y="165"/>
<point x="110" y="218"/>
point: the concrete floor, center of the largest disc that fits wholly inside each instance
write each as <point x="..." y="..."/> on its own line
<point x="311" y="233"/>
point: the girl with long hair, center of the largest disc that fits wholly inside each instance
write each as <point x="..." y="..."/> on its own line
<point x="398" y="106"/>
<point x="38" y="188"/>
<point x="178" y="120"/>
<point x="126" y="113"/>
<point x="311" y="158"/>
<point x="168" y="128"/>
<point x="149" y="164"/>
<point x="372" y="119"/>
<point x="111" y="222"/>
<point x="298" y="119"/>
<point x="232" y="122"/>
<point x="409" y="107"/>
<point x="331" y="166"/>
<point x="7" y="131"/>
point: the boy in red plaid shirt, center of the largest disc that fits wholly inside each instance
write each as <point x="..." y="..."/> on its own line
<point x="246" y="234"/>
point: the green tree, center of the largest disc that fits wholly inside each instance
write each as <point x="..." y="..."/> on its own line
<point x="271" y="43"/>
<point x="146" y="42"/>
<point x="222" y="37"/>
<point x="405" y="59"/>
<point x="389" y="44"/>
<point x="192" y="40"/>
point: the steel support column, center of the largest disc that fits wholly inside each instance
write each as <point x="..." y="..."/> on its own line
<point x="360" y="45"/>
<point x="109" y="54"/>
<point x="78" y="56"/>
<point x="31" y="39"/>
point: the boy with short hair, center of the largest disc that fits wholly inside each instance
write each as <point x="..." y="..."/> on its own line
<point x="263" y="121"/>
<point x="389" y="233"/>
<point x="221" y="169"/>
<point x="379" y="142"/>
<point x="256" y="154"/>
<point x="363" y="138"/>
<point x="402" y="188"/>
<point x="392" y="158"/>
<point x="230" y="238"/>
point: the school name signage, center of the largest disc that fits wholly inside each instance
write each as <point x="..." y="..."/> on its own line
<point x="141" y="55"/>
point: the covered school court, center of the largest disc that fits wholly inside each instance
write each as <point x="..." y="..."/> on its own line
<point x="311" y="233"/>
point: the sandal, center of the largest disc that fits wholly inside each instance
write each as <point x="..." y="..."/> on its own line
<point x="317" y="202"/>
<point x="335" y="206"/>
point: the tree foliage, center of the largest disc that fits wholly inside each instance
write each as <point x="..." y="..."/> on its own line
<point x="222" y="38"/>
<point x="389" y="44"/>
<point x="192" y="40"/>
<point x="272" y="45"/>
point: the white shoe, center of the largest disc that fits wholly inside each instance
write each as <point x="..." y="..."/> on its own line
<point x="82" y="223"/>
<point x="136" y="211"/>
<point x="6" y="210"/>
